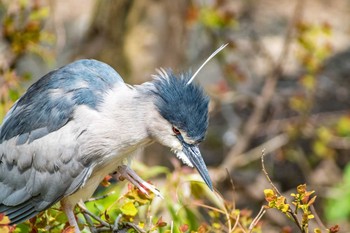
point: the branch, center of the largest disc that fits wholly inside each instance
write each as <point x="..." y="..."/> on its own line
<point x="294" y="216"/>
<point x="100" y="197"/>
<point x="257" y="219"/>
<point x="254" y="154"/>
<point x="86" y="211"/>
<point x="263" y="100"/>
<point x="267" y="175"/>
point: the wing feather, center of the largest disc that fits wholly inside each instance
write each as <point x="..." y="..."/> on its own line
<point x="50" y="102"/>
<point x="39" y="138"/>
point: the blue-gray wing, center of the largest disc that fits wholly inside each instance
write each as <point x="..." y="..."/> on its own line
<point x="49" y="103"/>
<point x="38" y="138"/>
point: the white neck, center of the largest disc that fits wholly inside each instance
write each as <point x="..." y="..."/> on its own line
<point x="115" y="131"/>
<point x="118" y="128"/>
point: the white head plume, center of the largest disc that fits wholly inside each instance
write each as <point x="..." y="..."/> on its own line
<point x="206" y="61"/>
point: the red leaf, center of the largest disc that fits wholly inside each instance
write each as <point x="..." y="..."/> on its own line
<point x="34" y="230"/>
<point x="105" y="182"/>
<point x="183" y="228"/>
<point x="130" y="187"/>
<point x="69" y="229"/>
<point x="334" y="229"/>
<point x="160" y="222"/>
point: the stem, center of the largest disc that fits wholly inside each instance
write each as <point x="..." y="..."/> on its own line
<point x="263" y="100"/>
<point x="267" y="175"/>
<point x="85" y="210"/>
<point x="257" y="218"/>
<point x="294" y="216"/>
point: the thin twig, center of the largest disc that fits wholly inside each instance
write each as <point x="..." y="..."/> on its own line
<point x="241" y="227"/>
<point x="207" y="207"/>
<point x="267" y="175"/>
<point x="85" y="210"/>
<point x="116" y="223"/>
<point x="135" y="227"/>
<point x="89" y="222"/>
<point x="217" y="210"/>
<point x="294" y="216"/>
<point x="236" y="223"/>
<point x="257" y="219"/>
<point x="269" y="146"/>
<point x="233" y="189"/>
<point x="228" y="217"/>
<point x="103" y="229"/>
<point x="296" y="220"/>
<point x="100" y="197"/>
<point x="226" y="211"/>
<point x="262" y="102"/>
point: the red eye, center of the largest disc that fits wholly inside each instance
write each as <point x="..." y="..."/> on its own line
<point x="176" y="131"/>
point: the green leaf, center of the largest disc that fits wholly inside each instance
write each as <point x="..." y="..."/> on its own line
<point x="129" y="209"/>
<point x="40" y="14"/>
<point x="343" y="126"/>
<point x="338" y="207"/>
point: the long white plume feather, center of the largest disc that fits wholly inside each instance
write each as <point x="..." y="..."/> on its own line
<point x="206" y="61"/>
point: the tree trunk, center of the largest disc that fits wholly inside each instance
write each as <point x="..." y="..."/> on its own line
<point x="135" y="37"/>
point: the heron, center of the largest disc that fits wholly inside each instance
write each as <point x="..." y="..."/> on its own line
<point x="81" y="122"/>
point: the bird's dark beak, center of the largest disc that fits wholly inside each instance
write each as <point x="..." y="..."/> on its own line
<point x="194" y="155"/>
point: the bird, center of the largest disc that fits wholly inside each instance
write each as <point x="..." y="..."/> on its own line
<point x="81" y="122"/>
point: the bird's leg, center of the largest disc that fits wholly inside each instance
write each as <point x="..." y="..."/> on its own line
<point x="68" y="209"/>
<point x="124" y="172"/>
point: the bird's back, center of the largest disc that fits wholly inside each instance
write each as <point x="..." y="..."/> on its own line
<point x="49" y="103"/>
<point x="39" y="138"/>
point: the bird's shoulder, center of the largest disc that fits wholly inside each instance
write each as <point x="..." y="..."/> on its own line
<point x="50" y="102"/>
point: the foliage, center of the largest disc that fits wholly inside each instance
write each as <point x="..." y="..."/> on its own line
<point x="214" y="17"/>
<point x="190" y="206"/>
<point x="314" y="136"/>
<point x="4" y="224"/>
<point x="22" y="33"/>
<point x="302" y="202"/>
<point x="338" y="205"/>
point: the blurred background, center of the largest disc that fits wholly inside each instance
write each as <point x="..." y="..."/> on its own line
<point x="282" y="86"/>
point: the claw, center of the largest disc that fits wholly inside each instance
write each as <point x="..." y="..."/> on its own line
<point x="124" y="172"/>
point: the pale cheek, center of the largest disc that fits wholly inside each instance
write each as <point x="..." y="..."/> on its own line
<point x="176" y="145"/>
<point x="171" y="142"/>
<point x="161" y="130"/>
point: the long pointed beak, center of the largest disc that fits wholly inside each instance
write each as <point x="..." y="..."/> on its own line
<point x="194" y="155"/>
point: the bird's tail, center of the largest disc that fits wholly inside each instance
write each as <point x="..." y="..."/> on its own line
<point x="20" y="213"/>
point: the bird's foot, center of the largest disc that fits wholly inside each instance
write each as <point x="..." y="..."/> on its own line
<point x="124" y="172"/>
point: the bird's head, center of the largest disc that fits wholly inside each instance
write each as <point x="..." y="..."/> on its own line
<point x="182" y="116"/>
<point x="182" y="119"/>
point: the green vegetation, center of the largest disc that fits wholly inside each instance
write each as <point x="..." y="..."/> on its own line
<point x="313" y="137"/>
